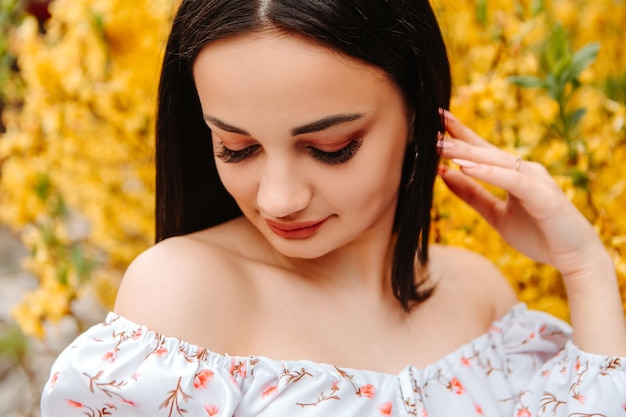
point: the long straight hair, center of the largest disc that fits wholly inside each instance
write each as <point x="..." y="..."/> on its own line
<point x="401" y="37"/>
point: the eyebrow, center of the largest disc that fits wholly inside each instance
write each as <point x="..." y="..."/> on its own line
<point x="325" y="123"/>
<point x="316" y="126"/>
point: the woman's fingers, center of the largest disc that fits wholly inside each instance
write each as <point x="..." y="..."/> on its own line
<point x="458" y="130"/>
<point x="464" y="143"/>
<point x="533" y="188"/>
<point x="537" y="218"/>
<point x="468" y="190"/>
<point x="459" y="150"/>
<point x="528" y="182"/>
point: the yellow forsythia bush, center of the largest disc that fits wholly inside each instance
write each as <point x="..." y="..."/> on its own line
<point x="77" y="159"/>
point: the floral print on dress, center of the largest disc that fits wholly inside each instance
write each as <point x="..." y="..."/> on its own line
<point x="524" y="366"/>
<point x="202" y="379"/>
<point x="212" y="410"/>
<point x="386" y="408"/>
<point x="456" y="386"/>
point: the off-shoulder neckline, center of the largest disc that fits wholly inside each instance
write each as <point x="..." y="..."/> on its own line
<point x="224" y="359"/>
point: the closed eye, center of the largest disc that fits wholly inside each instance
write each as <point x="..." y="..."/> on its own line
<point x="231" y="156"/>
<point x="338" y="157"/>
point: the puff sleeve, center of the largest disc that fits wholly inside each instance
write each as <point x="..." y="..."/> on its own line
<point x="551" y="377"/>
<point x="576" y="384"/>
<point x="120" y="368"/>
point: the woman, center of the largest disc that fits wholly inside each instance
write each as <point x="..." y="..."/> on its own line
<point x="297" y="146"/>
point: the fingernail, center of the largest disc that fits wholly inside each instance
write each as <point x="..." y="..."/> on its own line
<point x="446" y="113"/>
<point x="442" y="169"/>
<point x="444" y="144"/>
<point x="464" y="163"/>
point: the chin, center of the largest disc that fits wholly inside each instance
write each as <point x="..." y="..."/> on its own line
<point x="300" y="250"/>
<point x="313" y="247"/>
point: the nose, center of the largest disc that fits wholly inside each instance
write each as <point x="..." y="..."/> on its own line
<point x="282" y="190"/>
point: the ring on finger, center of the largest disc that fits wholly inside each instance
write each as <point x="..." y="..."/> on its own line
<point x="518" y="163"/>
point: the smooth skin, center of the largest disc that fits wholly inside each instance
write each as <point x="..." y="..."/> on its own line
<point x="240" y="288"/>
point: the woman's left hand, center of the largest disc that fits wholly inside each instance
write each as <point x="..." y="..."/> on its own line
<point x="537" y="218"/>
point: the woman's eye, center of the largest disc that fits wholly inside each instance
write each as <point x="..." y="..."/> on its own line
<point x="230" y="156"/>
<point x="339" y="157"/>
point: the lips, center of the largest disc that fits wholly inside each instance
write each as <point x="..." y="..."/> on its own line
<point x="296" y="230"/>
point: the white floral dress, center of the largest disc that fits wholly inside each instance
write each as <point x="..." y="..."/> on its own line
<point x="524" y="366"/>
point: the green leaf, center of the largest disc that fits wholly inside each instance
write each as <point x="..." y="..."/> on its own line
<point x="574" y="117"/>
<point x="553" y="87"/>
<point x="58" y="207"/>
<point x="528" y="81"/>
<point x="615" y="88"/>
<point x="583" y="58"/>
<point x="580" y="179"/>
<point x="536" y="7"/>
<point x="63" y="274"/>
<point x="97" y="20"/>
<point x="48" y="236"/>
<point x="43" y="187"/>
<point x="557" y="55"/>
<point x="481" y="12"/>
<point x="13" y="343"/>
<point x="83" y="265"/>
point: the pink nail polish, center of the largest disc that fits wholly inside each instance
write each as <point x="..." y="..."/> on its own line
<point x="444" y="144"/>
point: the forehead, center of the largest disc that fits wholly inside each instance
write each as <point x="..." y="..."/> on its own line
<point x="280" y="72"/>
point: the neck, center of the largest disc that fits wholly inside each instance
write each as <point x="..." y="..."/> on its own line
<point x="363" y="265"/>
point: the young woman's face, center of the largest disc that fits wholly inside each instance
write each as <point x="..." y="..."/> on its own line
<point x="308" y="142"/>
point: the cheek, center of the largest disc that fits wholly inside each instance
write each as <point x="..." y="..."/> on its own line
<point x="375" y="179"/>
<point x="238" y="184"/>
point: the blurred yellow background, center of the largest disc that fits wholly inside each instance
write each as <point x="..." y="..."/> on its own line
<point x="545" y="79"/>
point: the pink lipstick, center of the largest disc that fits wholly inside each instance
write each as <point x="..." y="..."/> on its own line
<point x="296" y="230"/>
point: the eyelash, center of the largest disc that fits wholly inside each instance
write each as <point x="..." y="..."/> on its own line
<point x="338" y="157"/>
<point x="230" y="156"/>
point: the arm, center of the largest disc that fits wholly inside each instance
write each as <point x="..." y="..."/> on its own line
<point x="538" y="220"/>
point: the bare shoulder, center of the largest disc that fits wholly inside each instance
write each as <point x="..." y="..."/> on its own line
<point x="474" y="278"/>
<point x="185" y="286"/>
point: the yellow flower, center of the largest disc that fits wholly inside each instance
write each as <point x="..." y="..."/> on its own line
<point x="51" y="302"/>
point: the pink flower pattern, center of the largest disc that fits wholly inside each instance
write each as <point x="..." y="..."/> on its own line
<point x="110" y="356"/>
<point x="202" y="379"/>
<point x="368" y="391"/>
<point x="386" y="408"/>
<point x="456" y="386"/>
<point x="120" y="362"/>
<point x="53" y="379"/>
<point x="269" y="391"/>
<point x="74" y="404"/>
<point x="211" y="410"/>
